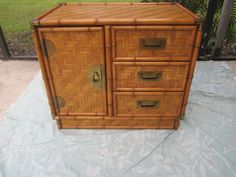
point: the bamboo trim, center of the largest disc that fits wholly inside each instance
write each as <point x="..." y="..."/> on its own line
<point x="120" y="118"/>
<point x="49" y="74"/>
<point x="70" y="29"/>
<point x="148" y="89"/>
<point x="147" y="93"/>
<point x="114" y="103"/>
<point x="154" y="27"/>
<point x="123" y="3"/>
<point x="65" y="126"/>
<point x="148" y="117"/>
<point x="151" y="59"/>
<point x="191" y="71"/>
<point x="142" y="115"/>
<point x="193" y="42"/>
<point x="48" y="12"/>
<point x="82" y="114"/>
<point x="195" y="53"/>
<point x="82" y="117"/>
<point x="44" y="72"/>
<point x="108" y="69"/>
<point x="71" y="22"/>
<point x="114" y="74"/>
<point x="105" y="95"/>
<point x="113" y="43"/>
<point x="151" y="63"/>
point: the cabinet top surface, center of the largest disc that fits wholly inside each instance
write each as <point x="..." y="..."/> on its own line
<point x="116" y="13"/>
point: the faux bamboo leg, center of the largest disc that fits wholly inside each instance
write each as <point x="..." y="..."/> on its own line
<point x="177" y="122"/>
<point x="44" y="72"/>
<point x="59" y="124"/>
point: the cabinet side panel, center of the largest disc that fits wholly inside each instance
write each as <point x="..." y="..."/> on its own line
<point x="191" y="71"/>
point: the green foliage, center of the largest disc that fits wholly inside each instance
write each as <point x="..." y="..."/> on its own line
<point x="231" y="31"/>
<point x="196" y="6"/>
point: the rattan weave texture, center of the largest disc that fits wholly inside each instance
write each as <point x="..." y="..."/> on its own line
<point x="115" y="12"/>
<point x="173" y="76"/>
<point x="77" y="52"/>
<point x="117" y="65"/>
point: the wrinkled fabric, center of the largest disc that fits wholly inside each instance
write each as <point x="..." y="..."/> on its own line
<point x="203" y="146"/>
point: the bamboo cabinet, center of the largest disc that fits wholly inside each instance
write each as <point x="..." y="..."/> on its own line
<point x="117" y="65"/>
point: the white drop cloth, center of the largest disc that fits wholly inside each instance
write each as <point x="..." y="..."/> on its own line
<point x="204" y="145"/>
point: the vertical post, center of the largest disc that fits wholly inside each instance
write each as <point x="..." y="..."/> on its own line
<point x="222" y="26"/>
<point x="211" y="10"/>
<point x="109" y="70"/>
<point x="3" y="45"/>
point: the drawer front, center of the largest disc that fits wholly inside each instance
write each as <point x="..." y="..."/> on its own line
<point x="154" y="43"/>
<point x="148" y="103"/>
<point x="150" y="76"/>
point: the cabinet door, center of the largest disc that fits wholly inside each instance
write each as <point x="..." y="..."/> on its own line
<point x="74" y="58"/>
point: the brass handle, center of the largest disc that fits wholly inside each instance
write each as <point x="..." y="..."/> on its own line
<point x="148" y="103"/>
<point x="150" y="75"/>
<point x="96" y="76"/>
<point x="152" y="43"/>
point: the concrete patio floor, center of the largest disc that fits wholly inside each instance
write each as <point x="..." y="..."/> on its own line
<point x="15" y="75"/>
<point x="232" y="65"/>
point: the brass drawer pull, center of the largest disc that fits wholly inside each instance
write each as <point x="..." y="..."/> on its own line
<point x="152" y="43"/>
<point x="150" y="75"/>
<point x="148" y="103"/>
<point x="96" y="76"/>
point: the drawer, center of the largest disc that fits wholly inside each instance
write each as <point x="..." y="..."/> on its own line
<point x="148" y="103"/>
<point x="150" y="76"/>
<point x="154" y="43"/>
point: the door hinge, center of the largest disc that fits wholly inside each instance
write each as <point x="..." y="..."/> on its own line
<point x="48" y="47"/>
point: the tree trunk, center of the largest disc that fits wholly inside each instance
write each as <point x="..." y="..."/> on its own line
<point x="222" y="26"/>
<point x="211" y="10"/>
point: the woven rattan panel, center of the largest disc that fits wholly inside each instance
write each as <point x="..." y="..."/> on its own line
<point x="166" y="103"/>
<point x="78" y="53"/>
<point x="166" y="76"/>
<point x="117" y="12"/>
<point x="179" y="43"/>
